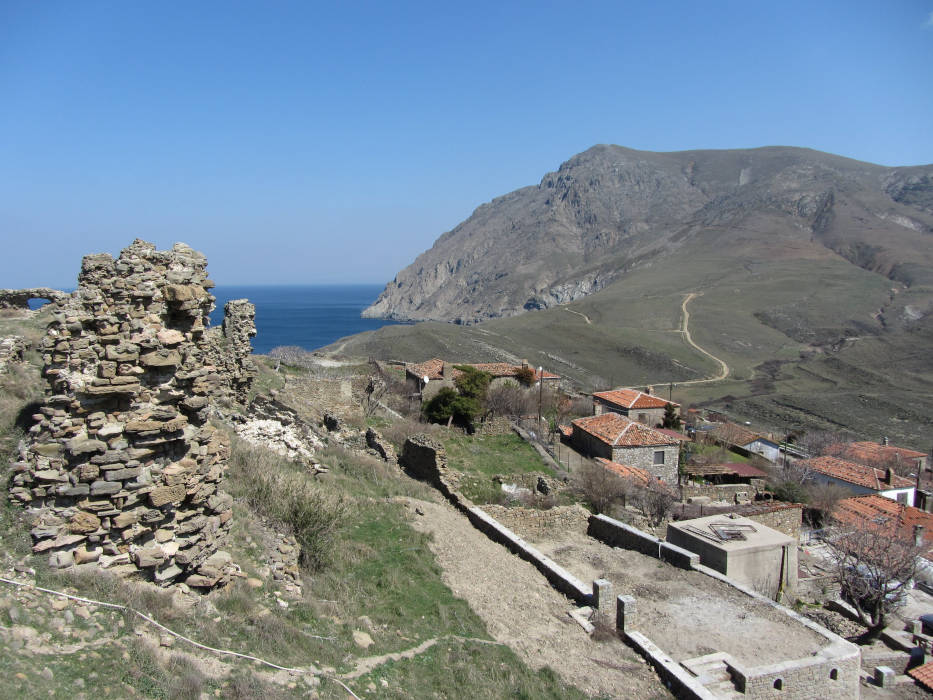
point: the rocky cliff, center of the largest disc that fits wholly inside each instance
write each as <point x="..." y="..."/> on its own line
<point x="121" y="466"/>
<point x="611" y="209"/>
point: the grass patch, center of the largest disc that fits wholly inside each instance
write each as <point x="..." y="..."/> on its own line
<point x="493" y="454"/>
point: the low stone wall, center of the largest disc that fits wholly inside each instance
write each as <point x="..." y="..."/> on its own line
<point x="783" y="517"/>
<point x="495" y="426"/>
<point x="19" y="298"/>
<point x="681" y="682"/>
<point x="535" y="523"/>
<point x="736" y="493"/>
<point x="618" y="534"/>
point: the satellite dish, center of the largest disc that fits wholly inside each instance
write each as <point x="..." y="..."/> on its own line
<point x="426" y="379"/>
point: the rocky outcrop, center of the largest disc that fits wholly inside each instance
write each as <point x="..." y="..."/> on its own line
<point x="11" y="350"/>
<point x="19" y="298"/>
<point x="122" y="466"/>
<point x="610" y="209"/>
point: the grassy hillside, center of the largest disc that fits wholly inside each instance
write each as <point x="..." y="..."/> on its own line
<point x="811" y="340"/>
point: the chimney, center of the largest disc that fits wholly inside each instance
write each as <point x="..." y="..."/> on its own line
<point x="524" y="364"/>
<point x="884" y="441"/>
<point x="649" y="389"/>
<point x="918" y="535"/>
<point x="889" y="475"/>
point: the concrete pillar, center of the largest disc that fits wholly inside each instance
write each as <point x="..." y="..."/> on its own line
<point x="884" y="676"/>
<point x="602" y="595"/>
<point x="625" y="612"/>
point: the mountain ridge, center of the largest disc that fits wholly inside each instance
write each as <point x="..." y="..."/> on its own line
<point x="610" y="209"/>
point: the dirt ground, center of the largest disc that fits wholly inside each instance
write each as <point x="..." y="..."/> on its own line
<point x="521" y="609"/>
<point x="672" y="601"/>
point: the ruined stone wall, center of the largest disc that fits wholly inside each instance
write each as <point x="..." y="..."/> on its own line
<point x="121" y="466"/>
<point x="19" y="298"/>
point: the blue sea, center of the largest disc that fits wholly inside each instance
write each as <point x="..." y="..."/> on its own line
<point x="309" y="316"/>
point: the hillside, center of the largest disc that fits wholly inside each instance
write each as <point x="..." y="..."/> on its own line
<point x="611" y="210"/>
<point x="814" y="277"/>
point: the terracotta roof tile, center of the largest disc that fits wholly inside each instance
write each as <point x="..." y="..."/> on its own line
<point x="636" y="474"/>
<point x="736" y="468"/>
<point x="432" y="369"/>
<point x="874" y="453"/>
<point x="923" y="675"/>
<point x="632" y="398"/>
<point x="877" y="511"/>
<point x="617" y="430"/>
<point x="858" y="474"/>
<point x="735" y="434"/>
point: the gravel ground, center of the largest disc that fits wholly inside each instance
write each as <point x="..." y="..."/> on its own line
<point x="523" y="611"/>
<point x="686" y="613"/>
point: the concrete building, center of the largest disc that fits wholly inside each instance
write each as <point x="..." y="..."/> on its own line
<point x="642" y="406"/>
<point x="742" y="549"/>
<point x="625" y="441"/>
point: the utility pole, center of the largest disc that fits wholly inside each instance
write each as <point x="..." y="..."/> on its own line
<point x="540" y="393"/>
<point x="670" y="392"/>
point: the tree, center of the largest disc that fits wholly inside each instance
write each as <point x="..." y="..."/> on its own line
<point x="874" y="567"/>
<point x="508" y="399"/>
<point x="472" y="382"/>
<point x="447" y="404"/>
<point x="601" y="487"/>
<point x="655" y="501"/>
<point x="525" y="376"/>
<point x="671" y="418"/>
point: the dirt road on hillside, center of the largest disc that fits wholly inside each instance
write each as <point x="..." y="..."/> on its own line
<point x="521" y="610"/>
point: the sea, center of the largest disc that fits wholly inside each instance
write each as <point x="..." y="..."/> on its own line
<point x="309" y="316"/>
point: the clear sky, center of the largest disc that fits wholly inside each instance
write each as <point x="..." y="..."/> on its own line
<point x="304" y="142"/>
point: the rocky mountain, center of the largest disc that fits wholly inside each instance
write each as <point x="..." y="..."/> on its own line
<point x="611" y="210"/>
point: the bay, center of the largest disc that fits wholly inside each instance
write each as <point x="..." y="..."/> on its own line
<point x="309" y="316"/>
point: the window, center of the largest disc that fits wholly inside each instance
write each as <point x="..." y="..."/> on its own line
<point x="779" y="684"/>
<point x="834" y="674"/>
<point x="659" y="457"/>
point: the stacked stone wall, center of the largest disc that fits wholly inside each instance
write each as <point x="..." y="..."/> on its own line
<point x="121" y="466"/>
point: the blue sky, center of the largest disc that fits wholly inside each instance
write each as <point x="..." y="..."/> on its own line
<point x="297" y="142"/>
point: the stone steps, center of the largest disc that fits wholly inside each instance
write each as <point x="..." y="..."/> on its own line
<point x="713" y="673"/>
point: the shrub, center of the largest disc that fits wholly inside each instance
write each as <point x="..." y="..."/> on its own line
<point x="525" y="376"/>
<point x="280" y="490"/>
<point x="447" y="404"/>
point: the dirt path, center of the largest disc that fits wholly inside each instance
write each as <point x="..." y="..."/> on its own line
<point x="685" y="330"/>
<point x="585" y="317"/>
<point x="521" y="610"/>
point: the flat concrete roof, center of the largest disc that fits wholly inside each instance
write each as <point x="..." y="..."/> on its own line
<point x="714" y="530"/>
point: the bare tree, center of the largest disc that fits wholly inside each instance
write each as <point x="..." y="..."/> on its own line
<point x="875" y="567"/>
<point x="508" y="399"/>
<point x="655" y="501"/>
<point x="817" y="443"/>
<point x="601" y="487"/>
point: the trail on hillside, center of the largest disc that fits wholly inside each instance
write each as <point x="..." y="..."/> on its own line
<point x="585" y="317"/>
<point x="685" y="330"/>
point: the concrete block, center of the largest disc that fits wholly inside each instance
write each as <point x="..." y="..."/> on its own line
<point x="602" y="595"/>
<point x="625" y="612"/>
<point x="884" y="676"/>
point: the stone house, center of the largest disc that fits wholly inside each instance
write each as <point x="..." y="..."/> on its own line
<point x="440" y="374"/>
<point x="642" y="406"/>
<point x="625" y="441"/>
<point x="860" y="479"/>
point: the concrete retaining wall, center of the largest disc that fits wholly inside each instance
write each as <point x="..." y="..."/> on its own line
<point x="681" y="682"/>
<point x="618" y="534"/>
<point x="560" y="578"/>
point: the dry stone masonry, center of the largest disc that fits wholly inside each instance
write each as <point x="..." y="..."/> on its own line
<point x="122" y="466"/>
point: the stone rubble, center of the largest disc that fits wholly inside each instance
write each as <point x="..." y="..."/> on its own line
<point x="122" y="467"/>
<point x="11" y="350"/>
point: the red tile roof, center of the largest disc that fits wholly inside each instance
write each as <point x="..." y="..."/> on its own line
<point x="858" y="474"/>
<point x="874" y="453"/>
<point x="641" y="476"/>
<point x="735" y="434"/>
<point x="878" y="511"/>
<point x="923" y="675"/>
<point x="617" y="430"/>
<point x="432" y="369"/>
<point x="674" y="434"/>
<point x="565" y="430"/>
<point x="632" y="398"/>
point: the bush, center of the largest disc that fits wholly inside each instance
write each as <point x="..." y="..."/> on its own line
<point x="447" y="404"/>
<point x="525" y="376"/>
<point x="279" y="489"/>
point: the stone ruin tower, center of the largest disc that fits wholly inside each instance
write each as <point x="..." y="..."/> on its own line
<point x="122" y="466"/>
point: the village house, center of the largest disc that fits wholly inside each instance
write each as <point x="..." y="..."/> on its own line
<point x="733" y="435"/>
<point x="900" y="521"/>
<point x="442" y="374"/>
<point x="860" y="479"/>
<point x="642" y="406"/>
<point x="635" y="475"/>
<point x="881" y="454"/>
<point x="625" y="441"/>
